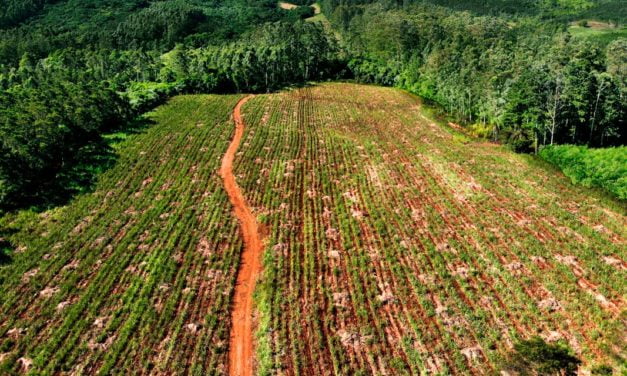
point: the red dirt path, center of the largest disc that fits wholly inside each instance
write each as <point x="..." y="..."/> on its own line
<point x="241" y="342"/>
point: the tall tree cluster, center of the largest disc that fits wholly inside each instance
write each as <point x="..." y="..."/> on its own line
<point x="274" y="56"/>
<point x="48" y="115"/>
<point x="525" y="82"/>
<point x="13" y="12"/>
<point x="73" y="70"/>
<point x="54" y="111"/>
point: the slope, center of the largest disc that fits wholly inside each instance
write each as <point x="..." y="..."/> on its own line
<point x="396" y="246"/>
<point x="137" y="275"/>
<point x="393" y="245"/>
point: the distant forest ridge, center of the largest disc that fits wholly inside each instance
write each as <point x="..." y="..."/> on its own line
<point x="71" y="71"/>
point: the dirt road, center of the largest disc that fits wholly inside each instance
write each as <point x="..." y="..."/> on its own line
<point x="241" y="342"/>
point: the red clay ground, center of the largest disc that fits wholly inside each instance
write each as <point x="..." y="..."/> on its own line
<point x="241" y="343"/>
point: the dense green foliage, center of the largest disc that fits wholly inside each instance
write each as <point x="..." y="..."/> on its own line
<point x="130" y="24"/>
<point x="510" y="70"/>
<point x="57" y="100"/>
<point x="46" y="132"/>
<point x="15" y="11"/>
<point x="603" y="168"/>
<point x="274" y="56"/>
<point x="554" y="10"/>
<point x="536" y="357"/>
<point x="526" y="80"/>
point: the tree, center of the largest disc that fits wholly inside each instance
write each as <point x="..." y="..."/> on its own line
<point x="555" y="105"/>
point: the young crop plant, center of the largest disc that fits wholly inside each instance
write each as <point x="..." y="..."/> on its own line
<point x="390" y="246"/>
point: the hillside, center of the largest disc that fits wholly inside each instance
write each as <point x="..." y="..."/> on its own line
<point x="147" y="25"/>
<point x="548" y="11"/>
<point x="392" y="244"/>
<point x="138" y="274"/>
<point x="71" y="71"/>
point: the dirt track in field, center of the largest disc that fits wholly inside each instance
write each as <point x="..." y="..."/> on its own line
<point x="241" y="341"/>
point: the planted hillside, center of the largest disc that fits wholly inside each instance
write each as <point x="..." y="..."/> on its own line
<point x="136" y="275"/>
<point x="342" y="187"/>
<point x="391" y="245"/>
<point x="398" y="246"/>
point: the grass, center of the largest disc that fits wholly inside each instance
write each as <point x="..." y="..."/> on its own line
<point x="601" y="33"/>
<point x="319" y="16"/>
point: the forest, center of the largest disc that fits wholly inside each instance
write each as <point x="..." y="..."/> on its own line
<point x="523" y="81"/>
<point x="71" y="71"/>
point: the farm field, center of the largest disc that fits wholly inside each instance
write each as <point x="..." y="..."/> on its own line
<point x="395" y="246"/>
<point x="138" y="275"/>
<point x="392" y="245"/>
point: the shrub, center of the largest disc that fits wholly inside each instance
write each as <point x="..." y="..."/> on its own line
<point x="603" y="168"/>
<point x="536" y="357"/>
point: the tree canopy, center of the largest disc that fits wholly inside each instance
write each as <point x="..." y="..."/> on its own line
<point x="73" y="70"/>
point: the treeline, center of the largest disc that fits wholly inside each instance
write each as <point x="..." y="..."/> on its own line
<point x="50" y="118"/>
<point x="274" y="56"/>
<point x="524" y="82"/>
<point x="135" y="24"/>
<point x="548" y="10"/>
<point x="53" y="111"/>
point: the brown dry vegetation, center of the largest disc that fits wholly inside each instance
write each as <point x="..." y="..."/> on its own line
<point x="288" y="6"/>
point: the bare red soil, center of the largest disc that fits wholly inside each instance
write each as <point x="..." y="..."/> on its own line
<point x="241" y="342"/>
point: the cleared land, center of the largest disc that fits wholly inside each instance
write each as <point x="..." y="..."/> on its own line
<point x="396" y="246"/>
<point x="288" y="6"/>
<point x="393" y="245"/>
<point x="317" y="17"/>
<point x="599" y="31"/>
